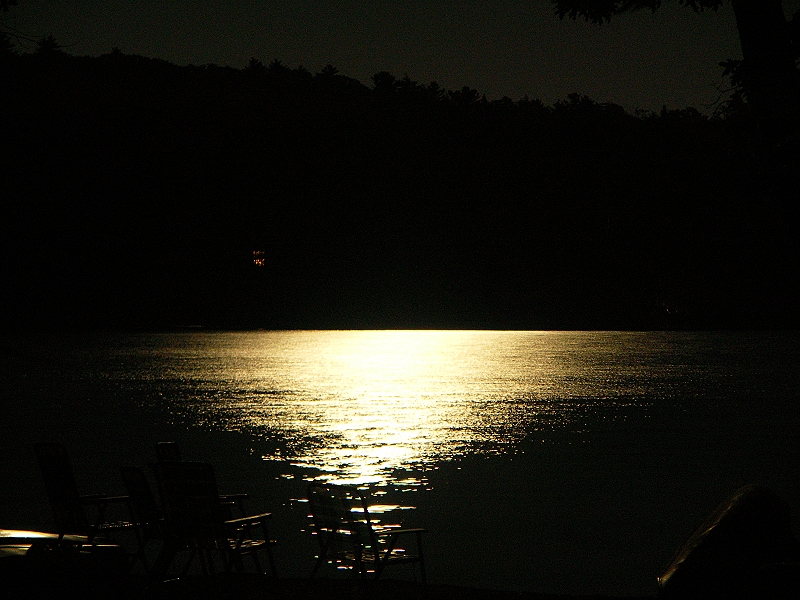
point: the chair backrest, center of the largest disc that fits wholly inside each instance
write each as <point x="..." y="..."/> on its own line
<point x="62" y="490"/>
<point x="144" y="504"/>
<point x="168" y="451"/>
<point x="190" y="499"/>
<point x="339" y="516"/>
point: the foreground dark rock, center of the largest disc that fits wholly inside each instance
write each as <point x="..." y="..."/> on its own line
<point x="745" y="549"/>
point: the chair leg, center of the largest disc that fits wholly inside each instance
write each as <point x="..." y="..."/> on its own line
<point x="323" y="553"/>
<point x="257" y="563"/>
<point x="421" y="554"/>
<point x="271" y="560"/>
<point x="234" y="562"/>
<point x="206" y="561"/>
<point x="195" y="552"/>
<point x="317" y="565"/>
<point x="140" y="556"/>
<point x="162" y="562"/>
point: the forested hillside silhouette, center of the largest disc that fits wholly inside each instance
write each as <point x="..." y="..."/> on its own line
<point x="139" y="193"/>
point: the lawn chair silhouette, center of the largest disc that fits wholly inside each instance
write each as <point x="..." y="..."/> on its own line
<point x="147" y="516"/>
<point x="194" y="519"/>
<point x="68" y="505"/>
<point x="171" y="451"/>
<point x="349" y="539"/>
<point x="150" y="524"/>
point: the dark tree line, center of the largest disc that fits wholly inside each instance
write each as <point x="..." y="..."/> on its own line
<point x="143" y="194"/>
<point x="767" y="75"/>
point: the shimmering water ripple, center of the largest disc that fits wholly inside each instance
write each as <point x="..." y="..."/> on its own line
<point x="367" y="406"/>
<point x="578" y="460"/>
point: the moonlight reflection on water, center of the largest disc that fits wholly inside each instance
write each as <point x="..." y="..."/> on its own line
<point x="544" y="436"/>
<point x="369" y="406"/>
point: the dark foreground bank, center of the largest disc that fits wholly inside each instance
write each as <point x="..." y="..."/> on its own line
<point x="41" y="567"/>
<point x="251" y="586"/>
<point x="745" y="549"/>
<point x="334" y="589"/>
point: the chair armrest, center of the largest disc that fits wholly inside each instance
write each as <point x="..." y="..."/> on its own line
<point x="233" y="497"/>
<point x="102" y="499"/>
<point x="388" y="532"/>
<point x="89" y="498"/>
<point x="116" y="498"/>
<point x="251" y="520"/>
<point x="390" y="537"/>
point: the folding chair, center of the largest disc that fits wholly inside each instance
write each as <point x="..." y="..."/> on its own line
<point x="195" y="519"/>
<point x="350" y="539"/>
<point x="68" y="505"/>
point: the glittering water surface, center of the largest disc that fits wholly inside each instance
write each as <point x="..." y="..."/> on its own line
<point x="367" y="406"/>
<point x="578" y="460"/>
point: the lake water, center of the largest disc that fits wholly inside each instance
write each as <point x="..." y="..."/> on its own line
<point x="542" y="461"/>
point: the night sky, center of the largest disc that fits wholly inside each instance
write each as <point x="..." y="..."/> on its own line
<point x="455" y="213"/>
<point x="501" y="48"/>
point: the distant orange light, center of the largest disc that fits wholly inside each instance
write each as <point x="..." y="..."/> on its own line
<point x="259" y="259"/>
